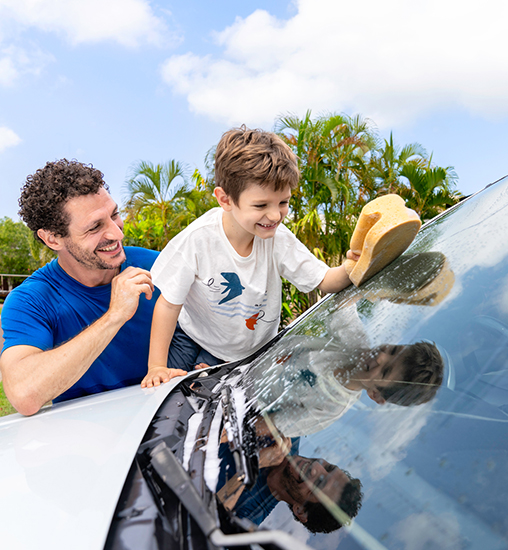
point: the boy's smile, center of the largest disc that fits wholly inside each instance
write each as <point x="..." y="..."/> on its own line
<point x="259" y="212"/>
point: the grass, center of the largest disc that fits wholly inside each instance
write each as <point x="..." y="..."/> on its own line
<point x="5" y="407"/>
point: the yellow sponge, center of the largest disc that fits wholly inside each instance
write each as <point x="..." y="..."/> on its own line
<point x="384" y="230"/>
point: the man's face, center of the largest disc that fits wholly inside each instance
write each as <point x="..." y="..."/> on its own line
<point x="295" y="481"/>
<point x="95" y="232"/>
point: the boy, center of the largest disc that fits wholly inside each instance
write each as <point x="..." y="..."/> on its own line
<point x="305" y="384"/>
<point x="221" y="276"/>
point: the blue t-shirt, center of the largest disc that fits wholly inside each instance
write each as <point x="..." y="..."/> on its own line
<point x="50" y="307"/>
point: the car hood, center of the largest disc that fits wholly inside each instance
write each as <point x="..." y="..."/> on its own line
<point x="62" y="470"/>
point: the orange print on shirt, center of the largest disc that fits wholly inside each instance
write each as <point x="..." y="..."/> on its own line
<point x="251" y="321"/>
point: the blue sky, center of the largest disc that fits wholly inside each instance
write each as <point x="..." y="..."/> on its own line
<point x="112" y="82"/>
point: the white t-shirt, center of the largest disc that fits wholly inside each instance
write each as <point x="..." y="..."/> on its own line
<point x="231" y="304"/>
<point x="294" y="382"/>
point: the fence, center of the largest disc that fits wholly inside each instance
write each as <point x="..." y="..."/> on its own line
<point x="8" y="282"/>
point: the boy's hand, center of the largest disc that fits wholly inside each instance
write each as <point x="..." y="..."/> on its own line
<point x="350" y="255"/>
<point x="200" y="366"/>
<point x="159" y="375"/>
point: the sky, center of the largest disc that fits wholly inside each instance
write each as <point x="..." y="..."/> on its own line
<point x="114" y="82"/>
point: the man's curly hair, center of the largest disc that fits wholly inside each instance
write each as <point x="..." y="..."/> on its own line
<point x="46" y="192"/>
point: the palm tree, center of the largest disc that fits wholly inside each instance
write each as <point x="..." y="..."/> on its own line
<point x="430" y="189"/>
<point x="386" y="164"/>
<point x="160" y="202"/>
<point x="332" y="151"/>
<point x="150" y="191"/>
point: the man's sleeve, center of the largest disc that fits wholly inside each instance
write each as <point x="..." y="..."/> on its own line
<point x="296" y="263"/>
<point x="26" y="321"/>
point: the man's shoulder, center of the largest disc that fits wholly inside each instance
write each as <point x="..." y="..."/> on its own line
<point x="140" y="257"/>
<point x="40" y="281"/>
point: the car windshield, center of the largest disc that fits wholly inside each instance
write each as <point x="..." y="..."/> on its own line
<point x="397" y="391"/>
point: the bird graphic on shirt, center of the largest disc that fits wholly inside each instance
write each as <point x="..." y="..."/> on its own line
<point x="233" y="286"/>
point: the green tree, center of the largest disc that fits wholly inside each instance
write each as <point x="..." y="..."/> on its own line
<point x="430" y="189"/>
<point x="387" y="162"/>
<point x="150" y="190"/>
<point x="158" y="208"/>
<point x="15" y="256"/>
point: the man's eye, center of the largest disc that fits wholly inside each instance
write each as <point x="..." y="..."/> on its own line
<point x="320" y="481"/>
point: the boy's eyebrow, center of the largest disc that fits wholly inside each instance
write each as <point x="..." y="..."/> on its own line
<point x="387" y="370"/>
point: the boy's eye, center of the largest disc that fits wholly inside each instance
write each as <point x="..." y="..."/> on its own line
<point x="259" y="205"/>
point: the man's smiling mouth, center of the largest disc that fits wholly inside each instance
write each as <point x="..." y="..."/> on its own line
<point x="110" y="248"/>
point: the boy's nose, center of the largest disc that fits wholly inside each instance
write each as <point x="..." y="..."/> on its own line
<point x="273" y="215"/>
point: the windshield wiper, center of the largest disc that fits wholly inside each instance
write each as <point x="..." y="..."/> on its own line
<point x="173" y="475"/>
<point x="241" y="437"/>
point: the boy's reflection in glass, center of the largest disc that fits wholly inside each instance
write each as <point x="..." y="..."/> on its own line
<point x="300" y="482"/>
<point x="305" y="383"/>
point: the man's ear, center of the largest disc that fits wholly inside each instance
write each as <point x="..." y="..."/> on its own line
<point x="300" y="513"/>
<point x="374" y="394"/>
<point x="50" y="239"/>
<point x="224" y="200"/>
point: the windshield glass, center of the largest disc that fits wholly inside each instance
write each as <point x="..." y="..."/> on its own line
<point x="390" y="401"/>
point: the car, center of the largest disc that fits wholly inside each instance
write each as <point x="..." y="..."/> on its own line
<point x="251" y="454"/>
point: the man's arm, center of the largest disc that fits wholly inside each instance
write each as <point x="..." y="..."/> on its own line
<point x="32" y="377"/>
<point x="165" y="316"/>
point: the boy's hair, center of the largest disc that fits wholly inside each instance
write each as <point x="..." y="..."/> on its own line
<point x="45" y="193"/>
<point x="244" y="157"/>
<point x="423" y="375"/>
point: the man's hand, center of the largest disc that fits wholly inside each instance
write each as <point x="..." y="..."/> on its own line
<point x="125" y="291"/>
<point x="159" y="375"/>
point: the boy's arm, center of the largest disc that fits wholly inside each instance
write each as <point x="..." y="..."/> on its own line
<point x="336" y="278"/>
<point x="165" y="316"/>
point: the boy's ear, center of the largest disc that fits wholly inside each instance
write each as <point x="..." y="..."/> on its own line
<point x="50" y="239"/>
<point x="374" y="394"/>
<point x="223" y="199"/>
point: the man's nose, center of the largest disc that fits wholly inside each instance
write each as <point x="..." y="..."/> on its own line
<point x="114" y="231"/>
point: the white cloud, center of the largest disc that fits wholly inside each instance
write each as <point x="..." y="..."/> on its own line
<point x="391" y="61"/>
<point x="127" y="22"/>
<point x="8" y="138"/>
<point x="16" y="61"/>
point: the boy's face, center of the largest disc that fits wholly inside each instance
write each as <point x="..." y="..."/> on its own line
<point x="379" y="368"/>
<point x="260" y="210"/>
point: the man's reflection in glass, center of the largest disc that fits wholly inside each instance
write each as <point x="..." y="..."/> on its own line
<point x="303" y="483"/>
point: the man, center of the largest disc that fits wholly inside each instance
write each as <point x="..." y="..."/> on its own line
<point x="303" y="483"/>
<point x="80" y="324"/>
